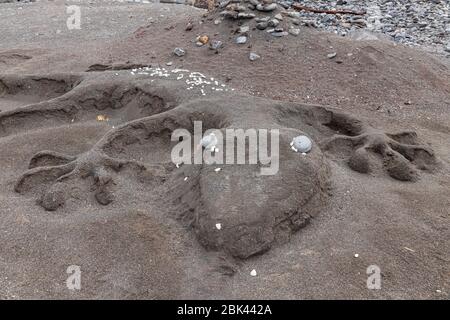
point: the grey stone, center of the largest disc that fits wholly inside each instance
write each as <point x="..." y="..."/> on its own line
<point x="179" y="52"/>
<point x="332" y="55"/>
<point x="279" y="33"/>
<point x="245" y="15"/>
<point x="262" y="19"/>
<point x="229" y="14"/>
<point x="267" y="7"/>
<point x="278" y="17"/>
<point x="262" y="25"/>
<point x="273" y="23"/>
<point x="215" y="45"/>
<point x="224" y="3"/>
<point x="241" y="39"/>
<point x="294" y="31"/>
<point x="253" y="56"/>
<point x="244" y="29"/>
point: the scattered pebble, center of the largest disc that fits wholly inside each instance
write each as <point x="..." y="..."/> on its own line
<point x="215" y="45"/>
<point x="241" y="39"/>
<point x="279" y="33"/>
<point x="332" y="55"/>
<point x="294" y="31"/>
<point x="203" y="39"/>
<point x="189" y="26"/>
<point x="253" y="273"/>
<point x="278" y="16"/>
<point x="179" y="52"/>
<point x="218" y="226"/>
<point x="266" y="7"/>
<point x="244" y="29"/>
<point x="102" y="117"/>
<point x="253" y="56"/>
<point x="262" y="25"/>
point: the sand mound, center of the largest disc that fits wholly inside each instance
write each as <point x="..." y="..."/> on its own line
<point x="144" y="106"/>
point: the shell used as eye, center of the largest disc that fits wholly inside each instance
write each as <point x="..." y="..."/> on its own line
<point x="302" y="144"/>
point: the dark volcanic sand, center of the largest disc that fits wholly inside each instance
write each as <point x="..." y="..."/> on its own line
<point x="136" y="248"/>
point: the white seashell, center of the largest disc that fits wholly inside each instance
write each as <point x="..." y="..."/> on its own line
<point x="302" y="143"/>
<point x="209" y="141"/>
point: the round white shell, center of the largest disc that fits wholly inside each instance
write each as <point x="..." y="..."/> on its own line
<point x="302" y="144"/>
<point x="209" y="141"/>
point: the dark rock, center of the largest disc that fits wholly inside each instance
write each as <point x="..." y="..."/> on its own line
<point x="262" y="25"/>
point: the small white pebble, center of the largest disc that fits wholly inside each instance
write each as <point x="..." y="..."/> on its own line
<point x="185" y="178"/>
<point x="356" y="255"/>
<point x="218" y="226"/>
<point x="217" y="169"/>
<point x="253" y="273"/>
<point x="438" y="291"/>
<point x="303" y="154"/>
